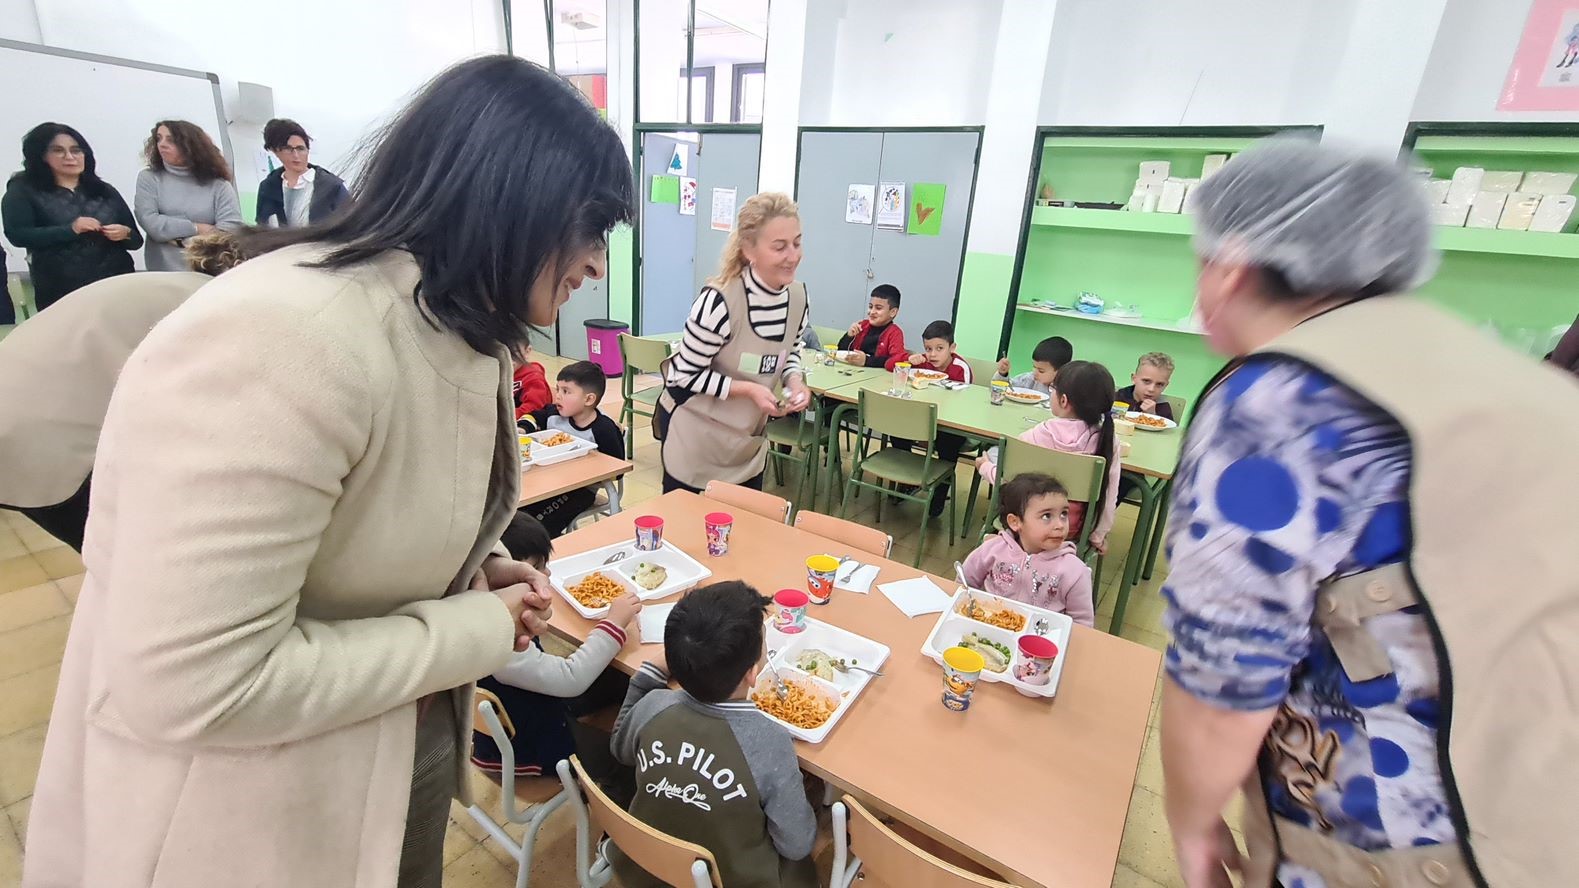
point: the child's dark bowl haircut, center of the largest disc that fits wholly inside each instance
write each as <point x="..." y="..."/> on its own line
<point x="939" y="330"/>
<point x="1017" y="494"/>
<point x="714" y="637"/>
<point x="527" y="539"/>
<point x="587" y="375"/>
<point x="887" y="292"/>
<point x="1054" y="350"/>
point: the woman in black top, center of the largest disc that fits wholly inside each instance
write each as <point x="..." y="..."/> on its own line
<point x="75" y="227"/>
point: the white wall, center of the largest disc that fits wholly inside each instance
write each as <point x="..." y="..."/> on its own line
<point x="1469" y="64"/>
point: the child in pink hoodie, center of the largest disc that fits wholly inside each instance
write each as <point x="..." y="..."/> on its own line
<point x="1033" y="560"/>
<point x="1082" y="423"/>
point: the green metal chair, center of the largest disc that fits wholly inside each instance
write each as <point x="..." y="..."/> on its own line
<point x="639" y="356"/>
<point x="796" y="440"/>
<point x="913" y="475"/>
<point x="828" y="335"/>
<point x="981" y="370"/>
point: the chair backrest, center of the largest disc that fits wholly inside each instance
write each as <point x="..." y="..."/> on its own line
<point x="642" y="354"/>
<point x="1177" y="403"/>
<point x="665" y="857"/>
<point x="501" y="720"/>
<point x="981" y="370"/>
<point x="886" y="859"/>
<point x="828" y="335"/>
<point x="1080" y="473"/>
<point x="755" y="501"/>
<point x="867" y="539"/>
<point x="885" y="414"/>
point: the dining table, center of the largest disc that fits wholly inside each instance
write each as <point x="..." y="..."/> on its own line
<point x="595" y="468"/>
<point x="1034" y="789"/>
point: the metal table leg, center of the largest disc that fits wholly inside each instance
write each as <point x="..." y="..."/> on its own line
<point x="1159" y="529"/>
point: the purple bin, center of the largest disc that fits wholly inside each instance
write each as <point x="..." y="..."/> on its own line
<point x="603" y="345"/>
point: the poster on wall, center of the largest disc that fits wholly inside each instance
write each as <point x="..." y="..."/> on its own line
<point x="723" y="209"/>
<point x="926" y="209"/>
<point x="665" y="190"/>
<point x="1544" y="75"/>
<point x="891" y="205"/>
<point x="687" y="196"/>
<point x="679" y="161"/>
<point x="858" y="204"/>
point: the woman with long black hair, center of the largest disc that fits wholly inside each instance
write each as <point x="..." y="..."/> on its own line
<point x="75" y="227"/>
<point x="294" y="571"/>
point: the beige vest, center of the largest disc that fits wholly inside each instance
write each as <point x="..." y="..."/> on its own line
<point x="722" y="438"/>
<point x="1491" y="496"/>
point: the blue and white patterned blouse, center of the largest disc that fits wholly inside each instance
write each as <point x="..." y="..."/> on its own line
<point x="1289" y="478"/>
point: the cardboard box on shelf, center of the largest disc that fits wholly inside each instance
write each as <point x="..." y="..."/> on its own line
<point x="1211" y="164"/>
<point x="1436" y="191"/>
<point x="1154" y="170"/>
<point x="1486" y="209"/>
<point x="1466" y="182"/>
<point x="1554" y="212"/>
<point x="1450" y="215"/>
<point x="1172" y="198"/>
<point x="1536" y="182"/>
<point x="1519" y="212"/>
<point x="1505" y="181"/>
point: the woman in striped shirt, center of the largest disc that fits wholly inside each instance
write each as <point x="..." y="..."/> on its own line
<point x="738" y="363"/>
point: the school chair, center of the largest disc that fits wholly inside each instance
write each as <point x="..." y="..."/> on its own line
<point x="670" y="860"/>
<point x="866" y="849"/>
<point x="800" y="438"/>
<point x="913" y="476"/>
<point x="754" y="501"/>
<point x="639" y="356"/>
<point x="867" y="539"/>
<point x="981" y="370"/>
<point x="828" y="335"/>
<point x="541" y="795"/>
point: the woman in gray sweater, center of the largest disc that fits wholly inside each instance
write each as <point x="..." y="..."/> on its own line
<point x="185" y="191"/>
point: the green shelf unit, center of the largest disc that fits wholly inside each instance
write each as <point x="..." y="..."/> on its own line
<point x="1111" y="220"/>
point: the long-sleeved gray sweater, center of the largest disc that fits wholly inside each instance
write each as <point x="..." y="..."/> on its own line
<point x="168" y="205"/>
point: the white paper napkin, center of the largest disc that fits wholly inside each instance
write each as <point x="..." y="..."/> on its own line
<point x="860" y="579"/>
<point x="916" y="596"/>
<point x="651" y="620"/>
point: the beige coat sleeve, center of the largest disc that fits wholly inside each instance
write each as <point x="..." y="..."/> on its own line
<point x="232" y="433"/>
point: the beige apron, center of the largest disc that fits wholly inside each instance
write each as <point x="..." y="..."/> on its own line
<point x="722" y="438"/>
<point x="1491" y="495"/>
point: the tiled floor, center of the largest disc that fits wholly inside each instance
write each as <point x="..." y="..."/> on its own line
<point x="39" y="580"/>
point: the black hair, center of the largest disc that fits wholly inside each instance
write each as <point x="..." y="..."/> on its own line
<point x="1018" y="492"/>
<point x="35" y="166"/>
<point x="527" y="538"/>
<point x="714" y="637"/>
<point x="587" y="375"/>
<point x="1055" y="350"/>
<point x="496" y="173"/>
<point x="1089" y="388"/>
<point x="277" y="132"/>
<point x="888" y="292"/>
<point x="939" y="330"/>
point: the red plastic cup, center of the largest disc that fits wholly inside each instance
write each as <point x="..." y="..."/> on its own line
<point x="649" y="533"/>
<point x="791" y="614"/>
<point x="1033" y="664"/>
<point x="718" y="526"/>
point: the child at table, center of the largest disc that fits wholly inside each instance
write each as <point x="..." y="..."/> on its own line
<point x="937" y="340"/>
<point x="1049" y="356"/>
<point x="541" y="692"/>
<point x="710" y="768"/>
<point x="1082" y="423"/>
<point x="876" y="341"/>
<point x="530" y="387"/>
<point x="575" y="412"/>
<point x="1032" y="559"/>
<point x="1144" y="393"/>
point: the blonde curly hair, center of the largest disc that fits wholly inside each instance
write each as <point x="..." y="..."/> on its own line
<point x="757" y="211"/>
<point x="215" y="253"/>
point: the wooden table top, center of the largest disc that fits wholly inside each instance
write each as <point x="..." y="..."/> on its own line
<point x="1037" y="790"/>
<point x="545" y="482"/>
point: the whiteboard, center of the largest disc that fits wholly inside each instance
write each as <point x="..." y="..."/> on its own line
<point x="112" y="102"/>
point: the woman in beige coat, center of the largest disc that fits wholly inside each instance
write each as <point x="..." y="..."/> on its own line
<point x="292" y="553"/>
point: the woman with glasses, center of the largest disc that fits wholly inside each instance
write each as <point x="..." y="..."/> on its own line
<point x="75" y="227"/>
<point x="298" y="193"/>
<point x="186" y="190"/>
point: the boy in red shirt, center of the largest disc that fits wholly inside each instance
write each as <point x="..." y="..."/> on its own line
<point x="876" y="341"/>
<point x="938" y="341"/>
<point x="530" y="387"/>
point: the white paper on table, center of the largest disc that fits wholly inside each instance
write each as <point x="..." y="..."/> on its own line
<point x="723" y="215"/>
<point x="651" y="621"/>
<point x="860" y="580"/>
<point x="916" y="596"/>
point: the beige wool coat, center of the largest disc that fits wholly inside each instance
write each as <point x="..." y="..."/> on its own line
<point x="296" y="477"/>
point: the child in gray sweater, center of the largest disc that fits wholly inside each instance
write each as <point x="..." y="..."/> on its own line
<point x="710" y="769"/>
<point x="1049" y="356"/>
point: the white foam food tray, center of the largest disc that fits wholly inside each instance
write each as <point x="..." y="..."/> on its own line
<point x="684" y="572"/>
<point x="845" y="686"/>
<point x="953" y="625"/>
<point x="543" y="455"/>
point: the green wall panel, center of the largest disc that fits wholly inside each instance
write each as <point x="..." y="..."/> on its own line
<point x="620" y="274"/>
<point x="983" y="294"/>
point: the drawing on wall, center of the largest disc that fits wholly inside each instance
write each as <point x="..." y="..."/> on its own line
<point x="926" y="209"/>
<point x="858" y="204"/>
<point x="891" y="205"/>
<point x="687" y="196"/>
<point x="665" y="190"/>
<point x="1545" y="67"/>
<point x="723" y="209"/>
<point x="678" y="162"/>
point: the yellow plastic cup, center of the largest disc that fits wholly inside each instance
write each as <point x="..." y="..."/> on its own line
<point x="820" y="571"/>
<point x="961" y="669"/>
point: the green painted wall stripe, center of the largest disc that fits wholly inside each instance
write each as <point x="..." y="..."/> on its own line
<point x="983" y="294"/>
<point x="619" y="276"/>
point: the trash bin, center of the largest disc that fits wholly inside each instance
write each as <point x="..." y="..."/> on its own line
<point x="603" y="345"/>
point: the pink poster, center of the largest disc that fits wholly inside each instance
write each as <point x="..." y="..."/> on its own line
<point x="1544" y="75"/>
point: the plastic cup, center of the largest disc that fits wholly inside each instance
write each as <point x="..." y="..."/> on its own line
<point x="997" y="390"/>
<point x="791" y="614"/>
<point x="1120" y="408"/>
<point x="649" y="533"/>
<point x="718" y="526"/>
<point x="820" y="570"/>
<point x="961" y="668"/>
<point x="1033" y="661"/>
<point x="831" y="354"/>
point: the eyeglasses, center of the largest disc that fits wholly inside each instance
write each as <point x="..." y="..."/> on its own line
<point x="61" y="151"/>
<point x="294" y="149"/>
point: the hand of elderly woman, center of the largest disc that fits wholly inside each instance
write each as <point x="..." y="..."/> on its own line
<point x="524" y="590"/>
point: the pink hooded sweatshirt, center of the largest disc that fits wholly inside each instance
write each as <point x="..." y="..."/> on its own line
<point x="1057" y="580"/>
<point x="1070" y="436"/>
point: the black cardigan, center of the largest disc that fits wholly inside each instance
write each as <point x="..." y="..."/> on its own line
<point x="329" y="193"/>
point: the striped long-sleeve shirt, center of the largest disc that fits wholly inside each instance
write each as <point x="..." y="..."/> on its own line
<point x="708" y="328"/>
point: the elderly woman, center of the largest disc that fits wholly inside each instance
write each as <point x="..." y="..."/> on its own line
<point x="294" y="572"/>
<point x="1355" y="563"/>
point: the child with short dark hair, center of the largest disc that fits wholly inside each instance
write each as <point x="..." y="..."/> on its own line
<point x="876" y="341"/>
<point x="530" y="386"/>
<point x="1049" y="356"/>
<point x="1144" y="393"/>
<point x="1033" y="558"/>
<point x="710" y="769"/>
<point x="575" y="412"/>
<point x="937" y="340"/>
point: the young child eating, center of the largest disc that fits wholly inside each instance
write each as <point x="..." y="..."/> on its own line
<point x="1049" y="356"/>
<point x="530" y="386"/>
<point x="1147" y="383"/>
<point x="876" y="341"/>
<point x="938" y="341"/>
<point x="575" y="412"/>
<point x="1032" y="559"/>
<point x="710" y="769"/>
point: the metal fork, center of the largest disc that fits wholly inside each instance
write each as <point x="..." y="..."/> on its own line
<point x="779" y="686"/>
<point x="621" y="555"/>
<point x="970" y="594"/>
